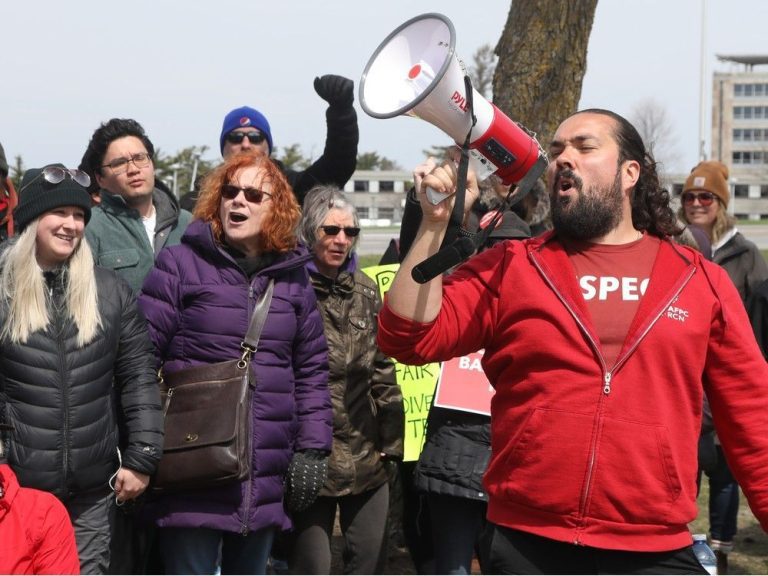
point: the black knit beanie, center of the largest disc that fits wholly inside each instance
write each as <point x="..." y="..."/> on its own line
<point x="37" y="196"/>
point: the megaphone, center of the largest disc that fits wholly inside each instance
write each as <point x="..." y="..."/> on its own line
<point x="415" y="72"/>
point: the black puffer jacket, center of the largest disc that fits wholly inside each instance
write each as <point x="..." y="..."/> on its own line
<point x="455" y="454"/>
<point x="368" y="415"/>
<point x="66" y="403"/>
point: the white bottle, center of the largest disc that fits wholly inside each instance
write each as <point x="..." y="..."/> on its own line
<point x="704" y="553"/>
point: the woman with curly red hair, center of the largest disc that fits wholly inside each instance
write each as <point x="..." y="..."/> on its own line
<point x="198" y="300"/>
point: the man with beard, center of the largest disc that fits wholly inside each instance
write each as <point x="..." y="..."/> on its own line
<point x="601" y="338"/>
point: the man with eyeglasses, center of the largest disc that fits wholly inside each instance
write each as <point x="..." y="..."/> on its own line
<point x="246" y="129"/>
<point x="137" y="215"/>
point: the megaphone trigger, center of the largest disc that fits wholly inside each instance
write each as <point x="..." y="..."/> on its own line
<point x="434" y="197"/>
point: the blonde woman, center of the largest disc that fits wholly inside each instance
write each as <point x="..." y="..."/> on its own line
<point x="76" y="365"/>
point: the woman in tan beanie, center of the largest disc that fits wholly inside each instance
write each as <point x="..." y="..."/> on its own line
<point x="704" y="203"/>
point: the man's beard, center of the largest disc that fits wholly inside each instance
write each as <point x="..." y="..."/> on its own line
<point x="588" y="215"/>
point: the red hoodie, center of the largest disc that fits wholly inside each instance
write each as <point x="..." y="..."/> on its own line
<point x="602" y="456"/>
<point x="36" y="536"/>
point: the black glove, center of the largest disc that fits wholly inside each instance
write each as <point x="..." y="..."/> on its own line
<point x="336" y="90"/>
<point x="304" y="479"/>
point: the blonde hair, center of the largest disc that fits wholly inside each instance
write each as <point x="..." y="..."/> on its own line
<point x="24" y="293"/>
<point x="720" y="227"/>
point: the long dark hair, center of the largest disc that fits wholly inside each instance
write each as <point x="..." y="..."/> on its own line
<point x="651" y="211"/>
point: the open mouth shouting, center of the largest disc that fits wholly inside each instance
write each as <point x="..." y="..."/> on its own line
<point x="237" y="217"/>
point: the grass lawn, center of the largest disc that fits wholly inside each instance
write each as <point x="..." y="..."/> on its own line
<point x="750" y="553"/>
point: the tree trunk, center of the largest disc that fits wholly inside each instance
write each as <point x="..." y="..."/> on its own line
<point x="542" y="60"/>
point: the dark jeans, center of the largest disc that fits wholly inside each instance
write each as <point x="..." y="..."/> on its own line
<point x="723" y="500"/>
<point x="508" y="551"/>
<point x="198" y="551"/>
<point x="456" y="527"/>
<point x="363" y="522"/>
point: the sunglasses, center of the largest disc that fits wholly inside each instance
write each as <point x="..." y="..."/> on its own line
<point x="56" y="175"/>
<point x="705" y="198"/>
<point x="252" y="195"/>
<point x="350" y="231"/>
<point x="237" y="137"/>
<point x="120" y="165"/>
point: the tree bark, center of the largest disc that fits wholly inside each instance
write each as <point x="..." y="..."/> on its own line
<point x="542" y="60"/>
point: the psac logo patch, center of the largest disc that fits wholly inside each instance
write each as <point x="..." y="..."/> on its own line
<point x="678" y="314"/>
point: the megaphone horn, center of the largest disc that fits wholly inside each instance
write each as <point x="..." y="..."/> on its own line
<point x="415" y="72"/>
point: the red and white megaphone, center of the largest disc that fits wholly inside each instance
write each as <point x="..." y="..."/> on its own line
<point x="415" y="72"/>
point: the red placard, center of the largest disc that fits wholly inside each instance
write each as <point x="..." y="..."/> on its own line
<point x="463" y="385"/>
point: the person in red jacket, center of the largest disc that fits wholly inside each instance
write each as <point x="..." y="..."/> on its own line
<point x="601" y="338"/>
<point x="36" y="535"/>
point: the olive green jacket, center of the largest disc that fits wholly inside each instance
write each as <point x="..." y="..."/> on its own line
<point x="368" y="415"/>
<point x="119" y="240"/>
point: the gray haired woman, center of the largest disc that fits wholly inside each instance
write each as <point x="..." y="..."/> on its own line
<point x="368" y="416"/>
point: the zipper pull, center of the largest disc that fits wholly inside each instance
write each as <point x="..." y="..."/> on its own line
<point x="167" y="401"/>
<point x="607" y="383"/>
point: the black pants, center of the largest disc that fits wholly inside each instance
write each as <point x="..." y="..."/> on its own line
<point x="363" y="522"/>
<point x="510" y="551"/>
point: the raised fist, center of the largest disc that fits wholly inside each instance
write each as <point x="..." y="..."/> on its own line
<point x="336" y="90"/>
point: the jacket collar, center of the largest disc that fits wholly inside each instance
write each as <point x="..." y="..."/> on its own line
<point x="199" y="236"/>
<point x="166" y="206"/>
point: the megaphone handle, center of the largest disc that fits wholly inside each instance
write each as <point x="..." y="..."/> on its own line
<point x="445" y="259"/>
<point x="463" y="247"/>
<point x="523" y="188"/>
<point x="457" y="214"/>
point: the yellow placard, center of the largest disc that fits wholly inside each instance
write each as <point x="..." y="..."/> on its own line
<point x="417" y="383"/>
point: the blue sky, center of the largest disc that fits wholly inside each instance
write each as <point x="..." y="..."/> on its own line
<point x="179" y="66"/>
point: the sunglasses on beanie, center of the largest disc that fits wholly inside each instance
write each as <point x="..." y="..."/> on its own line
<point x="56" y="175"/>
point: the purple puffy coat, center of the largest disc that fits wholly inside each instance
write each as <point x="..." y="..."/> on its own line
<point x="198" y="303"/>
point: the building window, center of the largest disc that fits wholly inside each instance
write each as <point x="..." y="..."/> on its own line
<point x="386" y="212"/>
<point x="677" y="189"/>
<point x="362" y="212"/>
<point x="749" y="112"/>
<point x="764" y="191"/>
<point x="750" y="135"/>
<point x="756" y="157"/>
<point x="361" y="185"/>
<point x="386" y="186"/>
<point x="741" y="191"/>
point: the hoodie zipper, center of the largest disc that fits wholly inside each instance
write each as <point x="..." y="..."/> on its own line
<point x="607" y="378"/>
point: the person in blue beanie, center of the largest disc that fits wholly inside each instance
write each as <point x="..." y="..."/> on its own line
<point x="245" y="129"/>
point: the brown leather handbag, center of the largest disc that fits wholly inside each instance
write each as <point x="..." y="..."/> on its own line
<point x="207" y="413"/>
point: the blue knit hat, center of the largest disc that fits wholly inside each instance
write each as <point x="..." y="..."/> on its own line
<point x="242" y="118"/>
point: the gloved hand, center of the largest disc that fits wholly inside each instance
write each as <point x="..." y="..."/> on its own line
<point x="304" y="479"/>
<point x="336" y="90"/>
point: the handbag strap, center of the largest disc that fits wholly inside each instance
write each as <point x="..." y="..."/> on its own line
<point x="258" y="318"/>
